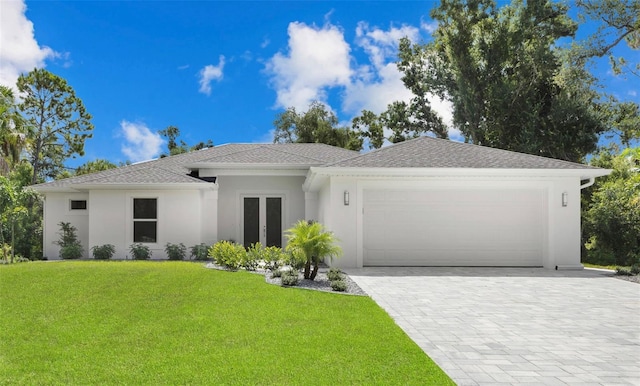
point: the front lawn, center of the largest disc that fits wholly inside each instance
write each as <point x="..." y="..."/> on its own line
<point x="83" y="322"/>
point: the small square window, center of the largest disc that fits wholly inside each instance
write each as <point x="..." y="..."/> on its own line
<point x="78" y="204"/>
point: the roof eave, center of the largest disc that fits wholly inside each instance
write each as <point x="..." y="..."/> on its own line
<point x="74" y="188"/>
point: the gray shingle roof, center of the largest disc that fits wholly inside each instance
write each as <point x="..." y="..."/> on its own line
<point x="173" y="170"/>
<point x="427" y="152"/>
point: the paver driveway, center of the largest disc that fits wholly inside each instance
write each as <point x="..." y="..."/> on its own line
<point x="510" y="326"/>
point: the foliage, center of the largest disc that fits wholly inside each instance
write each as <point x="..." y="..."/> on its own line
<point x="502" y="70"/>
<point x="309" y="241"/>
<point x="339" y="285"/>
<point x="175" y="251"/>
<point x="252" y="257"/>
<point x="95" y="166"/>
<point x="171" y="133"/>
<point x="276" y="273"/>
<point x="621" y="271"/>
<point x="227" y="254"/>
<point x="58" y="118"/>
<point x="140" y="251"/>
<point x="199" y="252"/>
<point x="216" y="317"/>
<point x="290" y="278"/>
<point x="103" y="252"/>
<point x="635" y="269"/>
<point x="70" y="246"/>
<point x="612" y="216"/>
<point x="15" y="213"/>
<point x="14" y="133"/>
<point x="316" y="125"/>
<point x="273" y="258"/>
<point x="335" y="274"/>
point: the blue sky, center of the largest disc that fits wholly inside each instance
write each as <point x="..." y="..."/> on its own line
<point x="218" y="70"/>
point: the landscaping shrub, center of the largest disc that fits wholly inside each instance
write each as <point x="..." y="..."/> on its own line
<point x="276" y="273"/>
<point x="335" y="274"/>
<point x="140" y="251"/>
<point x="308" y="240"/>
<point x="635" y="269"/>
<point x="290" y="278"/>
<point x="273" y="258"/>
<point x="175" y="251"/>
<point x="252" y="257"/>
<point x="70" y="247"/>
<point x="103" y="252"/>
<point x="621" y="271"/>
<point x="339" y="285"/>
<point x="227" y="254"/>
<point x="200" y="252"/>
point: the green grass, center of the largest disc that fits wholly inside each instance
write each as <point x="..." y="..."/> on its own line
<point x="611" y="267"/>
<point x="85" y="322"/>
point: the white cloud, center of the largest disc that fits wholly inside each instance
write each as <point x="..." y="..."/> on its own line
<point x="265" y="42"/>
<point x="210" y="73"/>
<point x="19" y="50"/>
<point x="183" y="67"/>
<point x="318" y="58"/>
<point x="429" y="26"/>
<point x="141" y="144"/>
<point x="632" y="93"/>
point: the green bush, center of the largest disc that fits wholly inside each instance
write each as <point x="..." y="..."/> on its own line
<point x="335" y="274"/>
<point x="276" y="273"/>
<point x="103" y="252"/>
<point x="310" y="242"/>
<point x="175" y="251"/>
<point x="140" y="251"/>
<point x="635" y="269"/>
<point x="273" y="258"/>
<point x="252" y="257"/>
<point x="70" y="247"/>
<point x="621" y="271"/>
<point x="227" y="254"/>
<point x="290" y="278"/>
<point x="339" y="285"/>
<point x="200" y="252"/>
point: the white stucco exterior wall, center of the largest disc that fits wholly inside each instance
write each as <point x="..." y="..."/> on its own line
<point x="564" y="225"/>
<point x="57" y="207"/>
<point x="232" y="188"/>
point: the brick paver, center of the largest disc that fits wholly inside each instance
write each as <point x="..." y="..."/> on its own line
<point x="500" y="326"/>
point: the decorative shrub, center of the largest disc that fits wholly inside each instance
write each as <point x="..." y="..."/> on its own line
<point x="175" y="251"/>
<point x="252" y="257"/>
<point x="273" y="258"/>
<point x="635" y="269"/>
<point x="70" y="247"/>
<point x="103" y="252"/>
<point x="200" y="252"/>
<point x="339" y="285"/>
<point x="276" y="273"/>
<point x="335" y="274"/>
<point x="621" y="271"/>
<point x="290" y="278"/>
<point x="226" y="254"/>
<point x="311" y="240"/>
<point x="140" y="251"/>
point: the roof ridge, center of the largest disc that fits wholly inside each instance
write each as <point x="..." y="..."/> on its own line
<point x="274" y="148"/>
<point x="360" y="155"/>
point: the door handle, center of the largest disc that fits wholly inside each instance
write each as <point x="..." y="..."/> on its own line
<point x="264" y="231"/>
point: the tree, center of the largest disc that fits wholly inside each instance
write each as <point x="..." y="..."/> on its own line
<point x="316" y="125"/>
<point x="171" y="133"/>
<point x="503" y="72"/>
<point x="619" y="21"/>
<point x="58" y="118"/>
<point x="612" y="217"/>
<point x="94" y="166"/>
<point x="13" y="132"/>
<point x="402" y="121"/>
<point x="310" y="241"/>
<point x="14" y="208"/>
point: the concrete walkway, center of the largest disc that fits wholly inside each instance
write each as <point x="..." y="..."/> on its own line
<point x="486" y="326"/>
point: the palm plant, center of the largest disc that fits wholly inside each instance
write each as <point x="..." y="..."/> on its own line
<point x="13" y="131"/>
<point x="310" y="241"/>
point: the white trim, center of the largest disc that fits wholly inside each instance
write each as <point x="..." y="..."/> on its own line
<point x="262" y="195"/>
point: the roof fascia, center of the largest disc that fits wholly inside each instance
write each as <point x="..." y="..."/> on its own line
<point x="252" y="166"/>
<point x="258" y="172"/>
<point x="166" y="186"/>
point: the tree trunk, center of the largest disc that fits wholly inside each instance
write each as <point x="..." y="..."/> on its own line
<point x="315" y="271"/>
<point x="307" y="269"/>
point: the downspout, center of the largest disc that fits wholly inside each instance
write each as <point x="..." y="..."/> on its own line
<point x="591" y="181"/>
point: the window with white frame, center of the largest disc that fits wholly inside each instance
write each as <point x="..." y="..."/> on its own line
<point x="145" y="220"/>
<point x="78" y="204"/>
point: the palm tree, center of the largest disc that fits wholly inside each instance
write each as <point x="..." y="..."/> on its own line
<point x="310" y="241"/>
<point x="13" y="135"/>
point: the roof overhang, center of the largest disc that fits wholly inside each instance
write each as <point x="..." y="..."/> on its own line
<point x="254" y="166"/>
<point x="71" y="188"/>
<point x="318" y="175"/>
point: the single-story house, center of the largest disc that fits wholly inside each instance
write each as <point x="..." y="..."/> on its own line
<point x="422" y="202"/>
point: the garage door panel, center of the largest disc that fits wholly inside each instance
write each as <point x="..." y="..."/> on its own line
<point x="453" y="227"/>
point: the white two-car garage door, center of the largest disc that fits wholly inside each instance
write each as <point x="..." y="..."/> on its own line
<point x="454" y="227"/>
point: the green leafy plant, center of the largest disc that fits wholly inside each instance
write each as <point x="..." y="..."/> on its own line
<point x="339" y="285"/>
<point x="252" y="257"/>
<point x="227" y="254"/>
<point x="290" y="278"/>
<point x="273" y="258"/>
<point x="140" y="251"/>
<point x="200" y="252"/>
<point x="309" y="242"/>
<point x="276" y="273"/>
<point x="621" y="271"/>
<point x="175" y="251"/>
<point x="335" y="274"/>
<point x="635" y="269"/>
<point x="70" y="247"/>
<point x="103" y="252"/>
